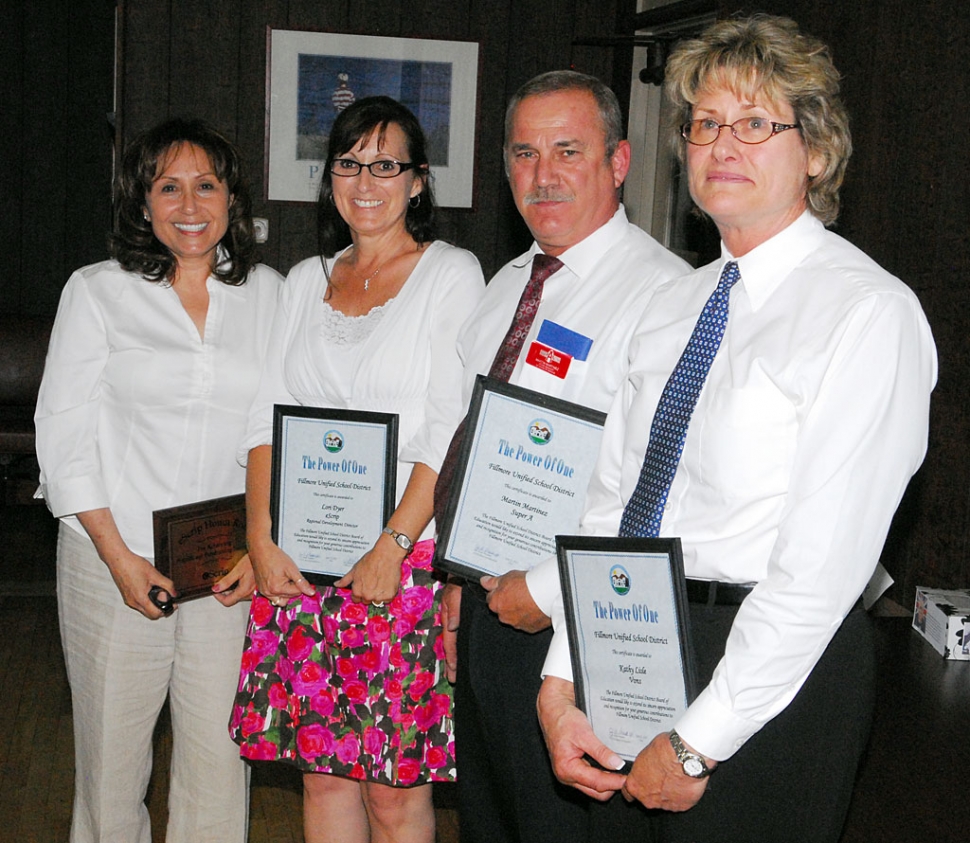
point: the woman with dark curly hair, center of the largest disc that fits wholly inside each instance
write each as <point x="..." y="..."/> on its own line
<point x="346" y="683"/>
<point x="153" y="363"/>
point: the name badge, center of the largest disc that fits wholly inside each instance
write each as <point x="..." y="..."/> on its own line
<point x="562" y="339"/>
<point x="548" y="359"/>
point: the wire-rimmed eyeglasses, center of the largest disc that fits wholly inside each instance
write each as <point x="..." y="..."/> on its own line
<point x="749" y="130"/>
<point x="384" y="169"/>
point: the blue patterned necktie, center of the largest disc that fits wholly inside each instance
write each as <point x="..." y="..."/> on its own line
<point x="644" y="510"/>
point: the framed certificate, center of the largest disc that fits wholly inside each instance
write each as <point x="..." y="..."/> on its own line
<point x="333" y="485"/>
<point x="629" y="637"/>
<point x="199" y="543"/>
<point x="520" y="480"/>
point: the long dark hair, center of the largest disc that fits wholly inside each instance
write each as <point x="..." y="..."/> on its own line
<point x="357" y="123"/>
<point x="133" y="242"/>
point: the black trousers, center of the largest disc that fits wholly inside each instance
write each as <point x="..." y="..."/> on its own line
<point x="791" y="782"/>
<point x="506" y="789"/>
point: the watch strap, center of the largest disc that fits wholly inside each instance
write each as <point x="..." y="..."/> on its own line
<point x="402" y="541"/>
<point x="693" y="764"/>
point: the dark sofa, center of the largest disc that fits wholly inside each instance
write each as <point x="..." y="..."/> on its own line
<point x="23" y="347"/>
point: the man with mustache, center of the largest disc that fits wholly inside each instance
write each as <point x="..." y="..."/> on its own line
<point x="566" y="162"/>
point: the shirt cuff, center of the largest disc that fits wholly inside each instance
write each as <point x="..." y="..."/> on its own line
<point x="712" y="730"/>
<point x="79" y="494"/>
<point x="255" y="438"/>
<point x="543" y="584"/>
<point x="557" y="658"/>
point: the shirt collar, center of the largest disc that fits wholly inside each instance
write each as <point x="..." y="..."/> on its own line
<point x="213" y="283"/>
<point x="586" y="255"/>
<point x="765" y="267"/>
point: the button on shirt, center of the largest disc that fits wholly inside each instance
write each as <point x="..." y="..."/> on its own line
<point x="812" y="421"/>
<point x="136" y="411"/>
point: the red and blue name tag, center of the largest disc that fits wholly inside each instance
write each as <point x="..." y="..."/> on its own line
<point x="556" y="347"/>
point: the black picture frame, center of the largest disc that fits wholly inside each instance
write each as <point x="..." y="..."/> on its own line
<point x="487" y="528"/>
<point x="655" y="678"/>
<point x="297" y="478"/>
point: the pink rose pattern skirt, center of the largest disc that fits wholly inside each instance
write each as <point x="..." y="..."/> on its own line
<point x="334" y="686"/>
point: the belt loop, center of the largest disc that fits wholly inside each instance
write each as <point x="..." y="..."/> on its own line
<point x="711" y="593"/>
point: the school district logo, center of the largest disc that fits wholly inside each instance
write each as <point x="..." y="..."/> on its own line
<point x="333" y="441"/>
<point x="619" y="579"/>
<point x="540" y="432"/>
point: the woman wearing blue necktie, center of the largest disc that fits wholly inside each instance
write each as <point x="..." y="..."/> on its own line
<point x="776" y="409"/>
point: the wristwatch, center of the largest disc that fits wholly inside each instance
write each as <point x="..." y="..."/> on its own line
<point x="402" y="540"/>
<point x="693" y="764"/>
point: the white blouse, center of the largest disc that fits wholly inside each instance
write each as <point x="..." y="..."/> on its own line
<point x="136" y="412"/>
<point x="407" y="364"/>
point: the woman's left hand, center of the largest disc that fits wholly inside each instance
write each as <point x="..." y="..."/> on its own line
<point x="377" y="575"/>
<point x="658" y="780"/>
<point x="242" y="577"/>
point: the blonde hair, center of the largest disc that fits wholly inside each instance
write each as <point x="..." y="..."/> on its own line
<point x="767" y="56"/>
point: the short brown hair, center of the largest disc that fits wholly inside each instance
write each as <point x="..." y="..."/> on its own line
<point x="556" y="81"/>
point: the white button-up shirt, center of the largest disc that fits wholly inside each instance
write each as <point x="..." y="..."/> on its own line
<point x="811" y="422"/>
<point x="136" y="411"/>
<point x="599" y="294"/>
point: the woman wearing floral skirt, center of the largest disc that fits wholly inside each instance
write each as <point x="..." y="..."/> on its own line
<point x="347" y="683"/>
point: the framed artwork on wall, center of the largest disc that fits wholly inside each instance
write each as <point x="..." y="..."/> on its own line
<point x="313" y="76"/>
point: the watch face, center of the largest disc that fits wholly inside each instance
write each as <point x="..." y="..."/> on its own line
<point x="694" y="767"/>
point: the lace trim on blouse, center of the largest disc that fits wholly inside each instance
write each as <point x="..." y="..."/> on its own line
<point x="341" y="329"/>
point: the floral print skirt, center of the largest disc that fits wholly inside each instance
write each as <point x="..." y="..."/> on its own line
<point x="334" y="686"/>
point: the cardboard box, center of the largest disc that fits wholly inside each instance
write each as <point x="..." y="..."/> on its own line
<point x="943" y="619"/>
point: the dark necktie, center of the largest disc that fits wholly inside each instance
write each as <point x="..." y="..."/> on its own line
<point x="644" y="510"/>
<point x="505" y="359"/>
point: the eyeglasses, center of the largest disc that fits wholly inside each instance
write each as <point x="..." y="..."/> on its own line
<point x="747" y="130"/>
<point x="386" y="169"/>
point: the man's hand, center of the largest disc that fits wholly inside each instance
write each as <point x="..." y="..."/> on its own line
<point x="450" y="614"/>
<point x="509" y="597"/>
<point x="569" y="737"/>
<point x="658" y="779"/>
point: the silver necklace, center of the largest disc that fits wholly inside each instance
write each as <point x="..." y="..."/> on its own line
<point x="369" y="278"/>
<point x="377" y="271"/>
<point x="373" y="275"/>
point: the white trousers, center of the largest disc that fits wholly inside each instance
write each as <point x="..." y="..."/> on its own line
<point x="121" y="666"/>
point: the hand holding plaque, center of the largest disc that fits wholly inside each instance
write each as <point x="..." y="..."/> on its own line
<point x="334" y="478"/>
<point x="196" y="545"/>
<point x="629" y="641"/>
<point x="520" y="479"/>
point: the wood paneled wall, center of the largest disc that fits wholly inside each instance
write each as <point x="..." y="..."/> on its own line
<point x="905" y="202"/>
<point x="55" y="146"/>
<point x="208" y="59"/>
<point x="905" y="199"/>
